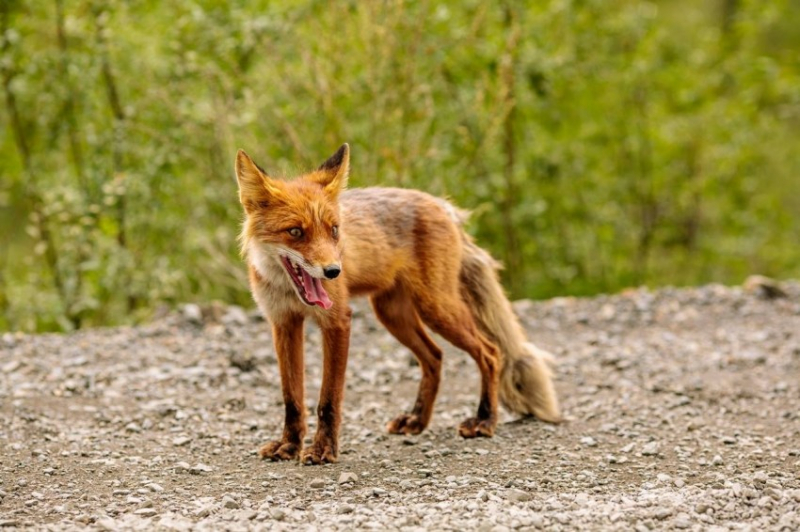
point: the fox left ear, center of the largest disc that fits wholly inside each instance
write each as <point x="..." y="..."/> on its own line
<point x="332" y="174"/>
<point x="255" y="187"/>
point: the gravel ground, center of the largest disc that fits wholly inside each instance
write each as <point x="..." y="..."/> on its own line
<point x="683" y="411"/>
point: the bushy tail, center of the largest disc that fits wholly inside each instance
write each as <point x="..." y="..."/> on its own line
<point x="525" y="379"/>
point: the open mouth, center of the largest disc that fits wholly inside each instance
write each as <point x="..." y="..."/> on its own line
<point x="308" y="288"/>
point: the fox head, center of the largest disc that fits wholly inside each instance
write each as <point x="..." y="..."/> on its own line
<point x="295" y="222"/>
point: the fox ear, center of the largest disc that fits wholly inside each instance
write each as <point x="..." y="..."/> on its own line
<point x="255" y="187"/>
<point x="332" y="174"/>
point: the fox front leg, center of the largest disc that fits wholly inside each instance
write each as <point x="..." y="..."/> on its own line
<point x="287" y="333"/>
<point x="336" y="343"/>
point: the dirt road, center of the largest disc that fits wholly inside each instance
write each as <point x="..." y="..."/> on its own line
<point x="683" y="412"/>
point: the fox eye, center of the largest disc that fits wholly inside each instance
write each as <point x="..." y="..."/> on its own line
<point x="295" y="232"/>
<point x="335" y="231"/>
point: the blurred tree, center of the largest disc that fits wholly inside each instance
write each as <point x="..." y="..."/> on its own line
<point x="600" y="144"/>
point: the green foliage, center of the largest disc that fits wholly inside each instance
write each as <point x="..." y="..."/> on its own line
<point x="601" y="144"/>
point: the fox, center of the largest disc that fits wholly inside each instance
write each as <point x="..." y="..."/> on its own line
<point x="311" y="244"/>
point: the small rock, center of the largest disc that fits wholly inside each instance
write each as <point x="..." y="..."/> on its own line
<point x="235" y="316"/>
<point x="628" y="448"/>
<point x="200" y="468"/>
<point x="317" y="483"/>
<point x="344" y="509"/>
<point x="515" y="495"/>
<point x="203" y="511"/>
<point x="588" y="441"/>
<point x="12" y="366"/>
<point x="682" y="521"/>
<point x="764" y="502"/>
<point x="228" y="502"/>
<point x="146" y="512"/>
<point x="133" y="427"/>
<point x="156" y="488"/>
<point x="243" y="360"/>
<point x="663" y="513"/>
<point x="180" y="441"/>
<point x="764" y="287"/>
<point x="193" y="314"/>
<point x="717" y="460"/>
<point x="651" y="449"/>
<point x="347" y="477"/>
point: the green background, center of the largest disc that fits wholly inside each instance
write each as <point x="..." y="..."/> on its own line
<point x="601" y="144"/>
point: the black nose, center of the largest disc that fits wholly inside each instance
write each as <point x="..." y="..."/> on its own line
<point x="331" y="272"/>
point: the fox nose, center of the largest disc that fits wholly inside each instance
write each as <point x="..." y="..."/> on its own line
<point x="332" y="271"/>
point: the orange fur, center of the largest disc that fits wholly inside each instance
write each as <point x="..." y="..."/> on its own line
<point x="407" y="251"/>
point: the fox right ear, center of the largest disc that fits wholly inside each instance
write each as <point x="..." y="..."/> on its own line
<point x="332" y="174"/>
<point x="255" y="187"/>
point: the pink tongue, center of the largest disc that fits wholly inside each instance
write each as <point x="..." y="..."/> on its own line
<point x="314" y="292"/>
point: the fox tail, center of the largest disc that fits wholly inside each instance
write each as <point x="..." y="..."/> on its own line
<point x="526" y="385"/>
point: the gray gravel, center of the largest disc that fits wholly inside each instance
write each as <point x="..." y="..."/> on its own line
<point x="683" y="413"/>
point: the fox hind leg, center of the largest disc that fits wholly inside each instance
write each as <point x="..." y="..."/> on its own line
<point x="395" y="310"/>
<point x="451" y="317"/>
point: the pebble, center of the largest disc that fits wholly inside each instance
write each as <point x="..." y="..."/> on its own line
<point x="203" y="511"/>
<point x="200" y="468"/>
<point x="193" y="314"/>
<point x="663" y="513"/>
<point x="682" y="521"/>
<point x="588" y="441"/>
<point x="347" y="478"/>
<point x="651" y="449"/>
<point x="229" y="502"/>
<point x="317" y="483"/>
<point x="515" y="495"/>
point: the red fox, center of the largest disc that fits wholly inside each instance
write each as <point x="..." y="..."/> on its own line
<point x="311" y="245"/>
